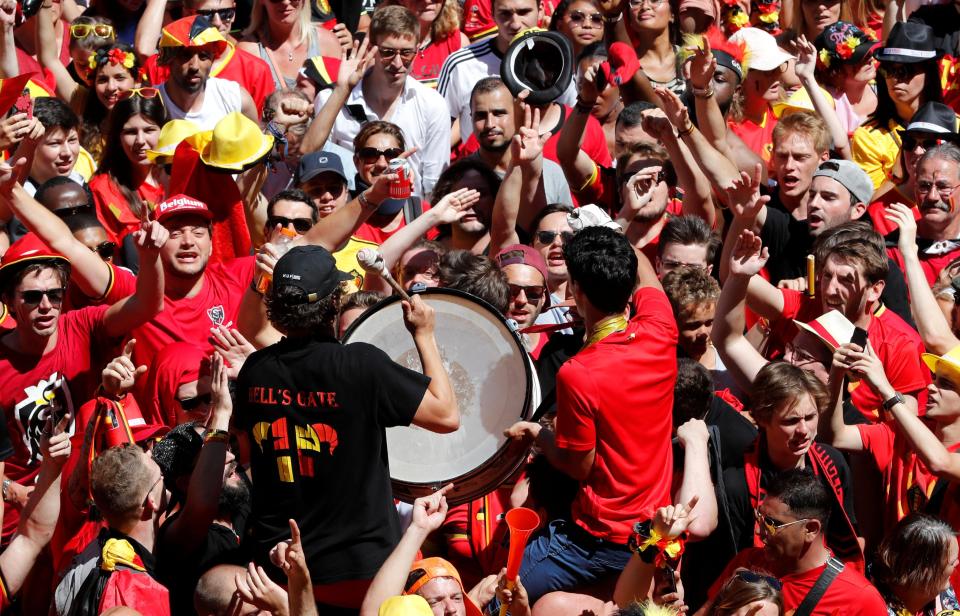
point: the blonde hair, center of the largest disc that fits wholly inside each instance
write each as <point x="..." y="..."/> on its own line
<point x="258" y="19"/>
<point x="445" y="25"/>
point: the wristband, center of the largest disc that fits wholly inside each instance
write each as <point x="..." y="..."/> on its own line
<point x="253" y="287"/>
<point x="707" y="92"/>
<point x="583" y="107"/>
<point x="6" y="490"/>
<point x="687" y="130"/>
<point x="216" y="436"/>
<point x="365" y="203"/>
<point x="655" y="549"/>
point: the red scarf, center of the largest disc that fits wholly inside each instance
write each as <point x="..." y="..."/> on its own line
<point x="219" y="191"/>
<point x="841" y="539"/>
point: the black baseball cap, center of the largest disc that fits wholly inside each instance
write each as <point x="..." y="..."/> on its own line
<point x="315" y="163"/>
<point x="311" y="269"/>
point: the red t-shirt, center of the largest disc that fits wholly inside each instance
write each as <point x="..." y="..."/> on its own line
<point x="373" y="233"/>
<point x="113" y="209"/>
<point x="897" y="344"/>
<point x="878" y="209"/>
<point x="31" y="387"/>
<point x="594" y="142"/>
<point x="628" y="422"/>
<point x="189" y="319"/>
<point x="478" y="17"/>
<point x="931" y="264"/>
<point x="427" y="63"/>
<point x="758" y="137"/>
<point x="30" y="65"/>
<point x="850" y="594"/>
<point x="252" y="73"/>
<point x="902" y="469"/>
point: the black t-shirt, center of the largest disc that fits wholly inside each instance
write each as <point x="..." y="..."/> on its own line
<point x="945" y="21"/>
<point x="789" y="243"/>
<point x="180" y="570"/>
<point x="736" y="433"/>
<point x="316" y="414"/>
<point x="742" y="518"/>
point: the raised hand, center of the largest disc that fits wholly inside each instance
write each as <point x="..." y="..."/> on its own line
<point x="343" y="36"/>
<point x="743" y="196"/>
<point x="256" y="588"/>
<point x="863" y="364"/>
<point x="10" y="175"/>
<point x="527" y="144"/>
<point x="902" y="216"/>
<point x="587" y="90"/>
<point x="55" y="441"/>
<point x="703" y="65"/>
<point x="806" y="59"/>
<point x="673" y="520"/>
<point x="289" y="556"/>
<point x="354" y="61"/>
<point x="380" y="189"/>
<point x="638" y="191"/>
<point x="418" y="316"/>
<point x="515" y="598"/>
<point x="430" y="511"/>
<point x="673" y="107"/>
<point x="150" y="238"/>
<point x="749" y="255"/>
<point x="693" y="430"/>
<point x="452" y="207"/>
<point x="656" y="124"/>
<point x="120" y="374"/>
<point x="221" y="402"/>
<point x="234" y="348"/>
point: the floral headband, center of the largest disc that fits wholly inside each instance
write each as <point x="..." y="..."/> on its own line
<point x="114" y="55"/>
<point x="844" y="50"/>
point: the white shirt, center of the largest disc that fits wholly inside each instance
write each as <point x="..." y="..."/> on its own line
<point x="464" y="68"/>
<point x="421" y="115"/>
<point x="220" y="97"/>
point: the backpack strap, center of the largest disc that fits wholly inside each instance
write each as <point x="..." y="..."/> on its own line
<point x="412" y="209"/>
<point x="827" y="576"/>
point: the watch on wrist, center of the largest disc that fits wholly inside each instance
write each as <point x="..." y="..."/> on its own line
<point x="6" y="490"/>
<point x="892" y="401"/>
<point x="366" y="203"/>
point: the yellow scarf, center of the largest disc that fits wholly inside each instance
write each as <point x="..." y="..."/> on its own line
<point x="607" y="326"/>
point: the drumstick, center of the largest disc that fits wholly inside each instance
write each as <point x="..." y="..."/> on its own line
<point x="372" y="262"/>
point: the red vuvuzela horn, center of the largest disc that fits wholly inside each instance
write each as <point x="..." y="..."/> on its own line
<point x="521" y="522"/>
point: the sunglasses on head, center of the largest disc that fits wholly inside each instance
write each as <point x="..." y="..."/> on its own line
<point x="389" y="53"/>
<point x="534" y="293"/>
<point x="105" y="249"/>
<point x="33" y="297"/>
<point x="369" y="155"/>
<point x="900" y="72"/>
<point x="189" y="404"/>
<point x="104" y="31"/>
<point x="225" y="15"/>
<point x="300" y="225"/>
<point x="547" y="237"/>
<point x="147" y="92"/>
<point x="752" y="577"/>
<point x="578" y="17"/>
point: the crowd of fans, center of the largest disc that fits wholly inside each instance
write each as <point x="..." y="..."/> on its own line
<point x="725" y="232"/>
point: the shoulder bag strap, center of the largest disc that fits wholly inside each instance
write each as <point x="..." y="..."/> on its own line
<point x="829" y="574"/>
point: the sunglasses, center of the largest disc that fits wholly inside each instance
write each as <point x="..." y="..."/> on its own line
<point x="147" y="92"/>
<point x="33" y="297"/>
<point x="369" y="155"/>
<point x="315" y="190"/>
<point x="752" y="577"/>
<point x="772" y="526"/>
<point x="534" y="293"/>
<point x="104" y="31"/>
<point x="389" y="53"/>
<point x="547" y="237"/>
<point x="106" y="250"/>
<point x="900" y="72"/>
<point x="301" y="225"/>
<point x="225" y="15"/>
<point x="578" y="17"/>
<point x="189" y="404"/>
<point x="67" y="212"/>
<point x="910" y="142"/>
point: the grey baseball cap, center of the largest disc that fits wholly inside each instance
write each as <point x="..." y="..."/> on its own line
<point x="851" y="176"/>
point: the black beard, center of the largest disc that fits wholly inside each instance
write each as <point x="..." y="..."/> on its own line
<point x="496" y="148"/>
<point x="234" y="498"/>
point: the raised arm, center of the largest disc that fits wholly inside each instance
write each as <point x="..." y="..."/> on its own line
<point x="353" y="63"/>
<point x="749" y="211"/>
<point x="740" y="357"/>
<point x="438" y="411"/>
<point x="835" y="431"/>
<point x="147" y="300"/>
<point x="149" y="28"/>
<point x="9" y="66"/>
<point x="935" y="331"/>
<point x="697" y="483"/>
<point x="48" y="53"/>
<point x="805" y="67"/>
<point x="578" y="167"/>
<point x="713" y="126"/>
<point x="429" y="513"/>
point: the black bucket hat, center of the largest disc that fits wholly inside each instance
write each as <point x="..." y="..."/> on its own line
<point x="908" y="43"/>
<point x="539" y="61"/>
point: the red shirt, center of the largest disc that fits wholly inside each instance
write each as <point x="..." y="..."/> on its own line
<point x="428" y="61"/>
<point x="878" y="209"/>
<point x="628" y="422"/>
<point x="189" y="319"/>
<point x="372" y="233"/>
<point x="897" y="344"/>
<point x="252" y="73"/>
<point x="478" y="17"/>
<point x="113" y="209"/>
<point x="758" y="137"/>
<point x="901" y="467"/>
<point x="931" y="264"/>
<point x="850" y="594"/>
<point x="30" y="386"/>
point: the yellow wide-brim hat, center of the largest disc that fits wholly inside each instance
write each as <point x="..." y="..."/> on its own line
<point x="947" y="364"/>
<point x="172" y="133"/>
<point x="236" y="142"/>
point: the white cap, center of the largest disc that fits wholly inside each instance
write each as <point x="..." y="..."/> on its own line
<point x="762" y="53"/>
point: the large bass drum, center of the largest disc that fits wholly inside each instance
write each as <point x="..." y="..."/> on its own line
<point x="494" y="383"/>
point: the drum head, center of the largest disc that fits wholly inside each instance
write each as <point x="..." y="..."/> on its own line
<point x="492" y="381"/>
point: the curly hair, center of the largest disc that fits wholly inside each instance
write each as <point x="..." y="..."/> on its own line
<point x="291" y="313"/>
<point x="689" y="285"/>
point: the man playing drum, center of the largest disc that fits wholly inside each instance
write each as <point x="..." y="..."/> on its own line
<point x="314" y="414"/>
<point x="612" y="434"/>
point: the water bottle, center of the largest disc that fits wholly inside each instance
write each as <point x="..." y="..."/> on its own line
<point x="282" y="245"/>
